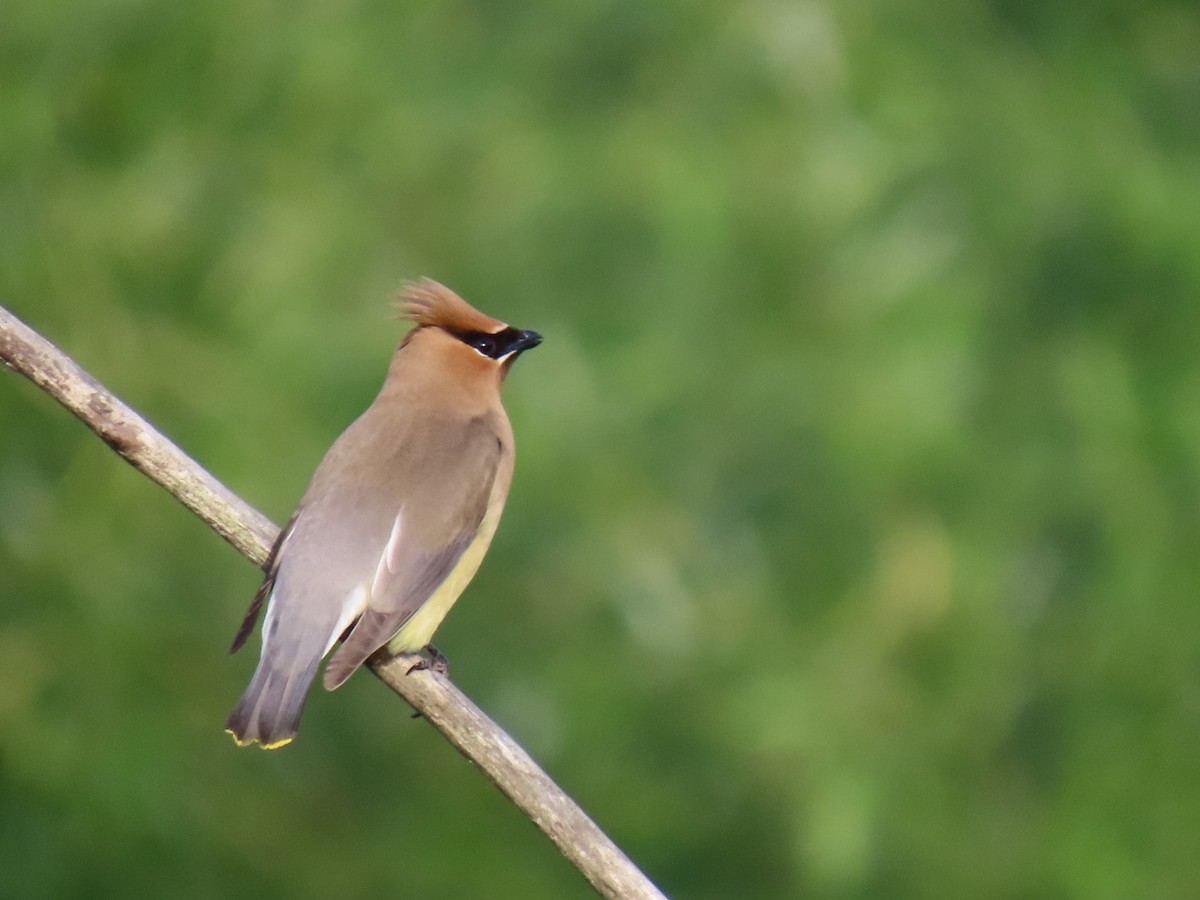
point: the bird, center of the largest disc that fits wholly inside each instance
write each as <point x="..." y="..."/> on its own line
<point x="396" y="519"/>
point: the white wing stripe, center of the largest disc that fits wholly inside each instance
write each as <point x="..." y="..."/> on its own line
<point x="353" y="606"/>
<point x="389" y="560"/>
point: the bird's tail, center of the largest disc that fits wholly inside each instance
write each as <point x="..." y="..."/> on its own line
<point x="269" y="711"/>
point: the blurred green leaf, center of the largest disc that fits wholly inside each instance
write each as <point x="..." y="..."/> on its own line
<point x="852" y="546"/>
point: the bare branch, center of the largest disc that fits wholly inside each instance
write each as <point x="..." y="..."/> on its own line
<point x="130" y="435"/>
<point x="433" y="695"/>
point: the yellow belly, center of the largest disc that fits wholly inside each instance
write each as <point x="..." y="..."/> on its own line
<point x="418" y="631"/>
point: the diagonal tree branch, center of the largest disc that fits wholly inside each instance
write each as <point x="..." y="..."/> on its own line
<point x="476" y="736"/>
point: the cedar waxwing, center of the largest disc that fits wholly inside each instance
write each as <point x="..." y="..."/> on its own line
<point x="397" y="518"/>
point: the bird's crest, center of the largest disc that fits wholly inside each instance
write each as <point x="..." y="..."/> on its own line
<point x="428" y="303"/>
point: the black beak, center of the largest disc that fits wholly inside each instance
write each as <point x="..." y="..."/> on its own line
<point x="527" y="341"/>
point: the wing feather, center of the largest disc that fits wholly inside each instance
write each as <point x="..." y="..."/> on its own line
<point x="264" y="591"/>
<point x="431" y="532"/>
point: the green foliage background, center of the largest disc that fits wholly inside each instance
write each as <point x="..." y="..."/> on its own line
<point x="853" y="549"/>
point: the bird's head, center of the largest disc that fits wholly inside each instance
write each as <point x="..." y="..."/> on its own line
<point x="434" y="306"/>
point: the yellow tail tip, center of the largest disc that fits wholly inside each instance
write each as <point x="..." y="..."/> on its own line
<point x="272" y="745"/>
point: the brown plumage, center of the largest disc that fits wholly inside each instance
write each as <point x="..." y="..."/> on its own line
<point x="428" y="303"/>
<point x="397" y="517"/>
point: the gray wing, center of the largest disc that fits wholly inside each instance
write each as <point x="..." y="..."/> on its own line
<point x="437" y="520"/>
<point x="271" y="568"/>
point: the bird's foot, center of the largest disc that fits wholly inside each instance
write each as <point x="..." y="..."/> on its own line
<point x="437" y="662"/>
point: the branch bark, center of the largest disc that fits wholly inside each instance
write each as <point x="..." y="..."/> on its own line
<point x="476" y="736"/>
